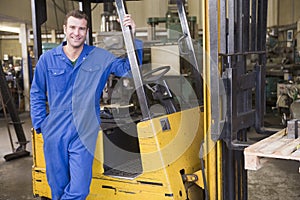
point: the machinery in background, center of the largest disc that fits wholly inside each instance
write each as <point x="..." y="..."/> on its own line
<point x="109" y="18"/>
<point x="168" y="46"/>
<point x="12" y="69"/>
<point x="48" y="45"/>
<point x="282" y="68"/>
<point x="172" y="24"/>
<point x="7" y="103"/>
<point x="110" y="37"/>
<point x="288" y="100"/>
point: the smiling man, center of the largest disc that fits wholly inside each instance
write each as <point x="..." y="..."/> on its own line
<point x="65" y="97"/>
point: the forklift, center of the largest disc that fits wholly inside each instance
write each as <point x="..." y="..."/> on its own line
<point x="192" y="148"/>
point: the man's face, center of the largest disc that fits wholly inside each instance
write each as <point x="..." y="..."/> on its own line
<point x="75" y="31"/>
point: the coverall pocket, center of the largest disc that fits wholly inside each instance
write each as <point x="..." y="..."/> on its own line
<point x="57" y="79"/>
<point x="89" y="75"/>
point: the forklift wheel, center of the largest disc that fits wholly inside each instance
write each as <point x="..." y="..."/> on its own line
<point x="45" y="198"/>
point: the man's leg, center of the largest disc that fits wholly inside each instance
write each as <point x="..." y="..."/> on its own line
<point x="80" y="163"/>
<point x="57" y="164"/>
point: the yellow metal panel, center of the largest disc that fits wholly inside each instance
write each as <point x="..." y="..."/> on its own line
<point x="39" y="184"/>
<point x="160" y="148"/>
<point x="37" y="148"/>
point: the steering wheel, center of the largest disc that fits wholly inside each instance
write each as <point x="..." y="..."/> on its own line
<point x="151" y="77"/>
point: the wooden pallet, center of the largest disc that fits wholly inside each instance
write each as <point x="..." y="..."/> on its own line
<point x="275" y="146"/>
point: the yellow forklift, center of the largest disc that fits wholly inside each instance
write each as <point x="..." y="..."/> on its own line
<point x="192" y="148"/>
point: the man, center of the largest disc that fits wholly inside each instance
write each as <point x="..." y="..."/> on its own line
<point x="65" y="97"/>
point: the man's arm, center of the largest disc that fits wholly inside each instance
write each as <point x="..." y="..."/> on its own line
<point x="121" y="66"/>
<point x="38" y="97"/>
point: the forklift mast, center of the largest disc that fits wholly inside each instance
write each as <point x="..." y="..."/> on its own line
<point x="234" y="33"/>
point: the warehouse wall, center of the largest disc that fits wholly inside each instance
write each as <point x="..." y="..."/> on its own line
<point x="283" y="12"/>
<point x="10" y="47"/>
<point x="289" y="11"/>
<point x="142" y="10"/>
<point x="272" y="13"/>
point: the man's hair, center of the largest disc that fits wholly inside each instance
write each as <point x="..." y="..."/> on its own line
<point x="77" y="14"/>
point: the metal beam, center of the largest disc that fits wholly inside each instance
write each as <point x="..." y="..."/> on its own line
<point x="191" y="56"/>
<point x="86" y="7"/>
<point x="25" y="65"/>
<point x="39" y="16"/>
<point x="135" y="69"/>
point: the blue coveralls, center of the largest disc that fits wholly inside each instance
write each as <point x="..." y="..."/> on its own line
<point x="71" y="126"/>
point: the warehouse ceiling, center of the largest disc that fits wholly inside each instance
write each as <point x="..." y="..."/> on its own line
<point x="10" y="24"/>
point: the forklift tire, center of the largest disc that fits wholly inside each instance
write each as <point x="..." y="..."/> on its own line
<point x="45" y="198"/>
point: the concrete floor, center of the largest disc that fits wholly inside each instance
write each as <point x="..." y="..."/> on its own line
<point x="277" y="180"/>
<point x="15" y="175"/>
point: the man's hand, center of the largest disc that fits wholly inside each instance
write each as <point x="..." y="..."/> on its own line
<point x="128" y="21"/>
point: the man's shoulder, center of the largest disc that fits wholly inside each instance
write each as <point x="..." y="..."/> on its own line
<point x="97" y="51"/>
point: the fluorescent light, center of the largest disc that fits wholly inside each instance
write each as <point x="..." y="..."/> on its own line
<point x="9" y="29"/>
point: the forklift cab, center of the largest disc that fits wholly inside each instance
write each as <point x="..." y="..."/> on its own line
<point x="156" y="101"/>
<point x="121" y="121"/>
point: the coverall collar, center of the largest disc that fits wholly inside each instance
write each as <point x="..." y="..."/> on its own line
<point x="85" y="51"/>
